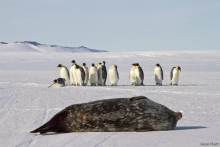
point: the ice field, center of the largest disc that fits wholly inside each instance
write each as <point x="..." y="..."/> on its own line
<point x="26" y="102"/>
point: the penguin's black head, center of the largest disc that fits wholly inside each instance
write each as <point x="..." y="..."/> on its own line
<point x="55" y="81"/>
<point x="84" y="64"/>
<point x="157" y="64"/>
<point x="103" y="62"/>
<point x="60" y="65"/>
<point x="134" y="64"/>
<point x="73" y="61"/>
<point x="93" y="64"/>
<point x="77" y="66"/>
<point x="179" y="68"/>
<point x="137" y="64"/>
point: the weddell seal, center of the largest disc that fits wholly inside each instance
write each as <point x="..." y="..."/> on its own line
<point x="138" y="114"/>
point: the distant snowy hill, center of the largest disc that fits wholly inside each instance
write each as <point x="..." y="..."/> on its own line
<point x="31" y="46"/>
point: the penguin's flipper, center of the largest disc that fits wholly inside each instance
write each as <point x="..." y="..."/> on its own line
<point x="171" y="73"/>
<point x="141" y="74"/>
<point x="51" y="85"/>
<point x="161" y="72"/>
<point x="104" y="73"/>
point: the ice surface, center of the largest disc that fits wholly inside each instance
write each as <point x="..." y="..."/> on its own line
<point x="26" y="102"/>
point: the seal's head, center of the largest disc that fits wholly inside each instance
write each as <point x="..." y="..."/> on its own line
<point x="178" y="115"/>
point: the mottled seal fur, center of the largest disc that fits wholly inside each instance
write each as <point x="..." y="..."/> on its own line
<point x="113" y="115"/>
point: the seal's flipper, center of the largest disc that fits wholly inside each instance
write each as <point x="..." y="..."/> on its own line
<point x="40" y="129"/>
<point x="137" y="98"/>
<point x="53" y="125"/>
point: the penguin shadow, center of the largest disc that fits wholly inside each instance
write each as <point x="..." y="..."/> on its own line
<point x="158" y="85"/>
<point x="189" y="127"/>
<point x="189" y="85"/>
<point x="174" y="85"/>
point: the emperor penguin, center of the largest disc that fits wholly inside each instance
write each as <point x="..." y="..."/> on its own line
<point x="174" y="75"/>
<point x="64" y="73"/>
<point x="158" y="74"/>
<point x="113" y="75"/>
<point x="86" y="74"/>
<point x="60" y="82"/>
<point x="139" y="75"/>
<point x="93" y="75"/>
<point x="104" y="72"/>
<point x="101" y="75"/>
<point x="80" y="75"/>
<point x="73" y="73"/>
<point x="132" y="75"/>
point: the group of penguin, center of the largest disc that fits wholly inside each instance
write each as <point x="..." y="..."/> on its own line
<point x="79" y="76"/>
<point x="137" y="75"/>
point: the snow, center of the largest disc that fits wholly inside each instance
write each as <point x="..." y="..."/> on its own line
<point x="31" y="46"/>
<point x="26" y="102"/>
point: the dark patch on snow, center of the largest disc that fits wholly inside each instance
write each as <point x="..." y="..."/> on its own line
<point x="3" y="43"/>
<point x="29" y="42"/>
<point x="63" y="47"/>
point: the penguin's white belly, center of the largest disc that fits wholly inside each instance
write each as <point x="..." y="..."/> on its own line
<point x="79" y="80"/>
<point x="93" y="77"/>
<point x="113" y="77"/>
<point x="100" y="79"/>
<point x="138" y="80"/>
<point x="132" y="77"/>
<point x="73" y="75"/>
<point x="64" y="74"/>
<point x="175" y="78"/>
<point x="58" y="85"/>
<point x="158" y="76"/>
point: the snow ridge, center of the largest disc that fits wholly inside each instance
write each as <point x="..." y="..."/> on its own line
<point x="32" y="46"/>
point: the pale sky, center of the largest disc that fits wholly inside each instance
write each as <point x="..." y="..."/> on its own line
<point x="114" y="25"/>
